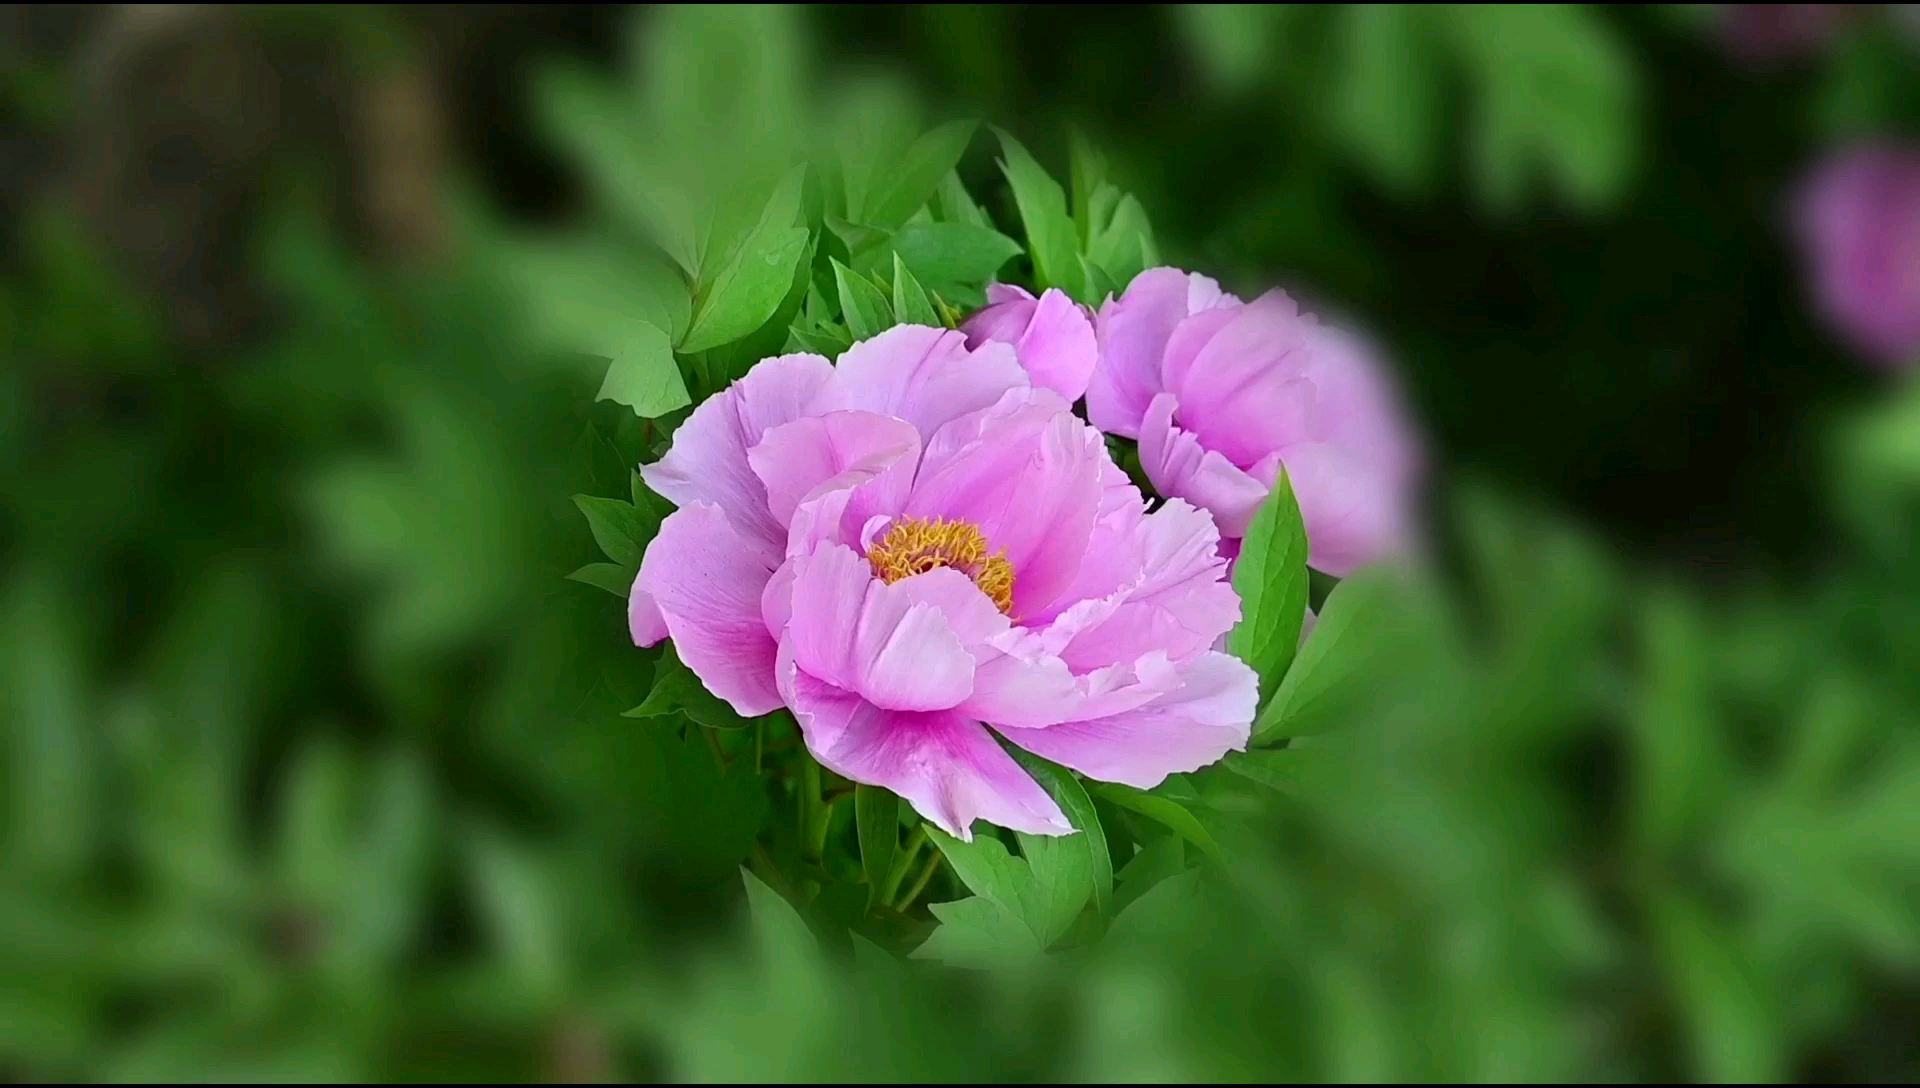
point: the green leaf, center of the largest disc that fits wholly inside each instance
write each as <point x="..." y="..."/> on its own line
<point x="53" y="785"/>
<point x="1073" y="799"/>
<point x="1281" y="769"/>
<point x="876" y="815"/>
<point x="1062" y="868"/>
<point x="1347" y="637"/>
<point x="954" y="259"/>
<point x="755" y="278"/>
<point x="861" y="303"/>
<point x="1230" y="40"/>
<point x="622" y="529"/>
<point x="778" y="930"/>
<point x="643" y="375"/>
<point x="1047" y="908"/>
<point x="859" y="238"/>
<point x="612" y="577"/>
<point x="1166" y="812"/>
<point x="516" y="896"/>
<point x="1553" y="94"/>
<point x="1168" y="907"/>
<point x="1101" y="284"/>
<point x="1733" y="1026"/>
<point x="1675" y="731"/>
<point x="1089" y="171"/>
<point x="587" y="119"/>
<point x="1387" y="100"/>
<point x="917" y="174"/>
<point x="1271" y="579"/>
<point x="1043" y="210"/>
<point x="676" y="690"/>
<point x="584" y="294"/>
<point x="393" y="859"/>
<point x="315" y="826"/>
<point x="910" y="302"/>
<point x="978" y="933"/>
<point x="1122" y="246"/>
<point x="1159" y="860"/>
<point x="955" y="206"/>
<point x="829" y="342"/>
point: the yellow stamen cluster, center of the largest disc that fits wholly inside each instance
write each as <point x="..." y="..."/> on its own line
<point x="916" y="545"/>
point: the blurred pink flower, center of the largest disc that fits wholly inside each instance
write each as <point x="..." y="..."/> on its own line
<point x="1858" y="222"/>
<point x="1051" y="336"/>
<point x="1222" y="394"/>
<point x="918" y="544"/>
<point x="1772" y="33"/>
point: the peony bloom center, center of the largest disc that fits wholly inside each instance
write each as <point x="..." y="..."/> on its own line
<point x="917" y="545"/>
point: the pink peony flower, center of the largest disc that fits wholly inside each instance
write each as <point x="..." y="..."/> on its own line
<point x="1858" y="221"/>
<point x="1051" y="336"/>
<point x="916" y="546"/>
<point x="1222" y="393"/>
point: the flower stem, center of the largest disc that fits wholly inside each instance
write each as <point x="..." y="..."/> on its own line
<point x="897" y="872"/>
<point x="713" y="742"/>
<point x="920" y="883"/>
<point x="759" y="745"/>
<point x="810" y="808"/>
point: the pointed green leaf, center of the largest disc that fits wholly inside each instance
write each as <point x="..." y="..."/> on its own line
<point x="621" y="529"/>
<point x="978" y="933"/>
<point x="1048" y="908"/>
<point x="861" y="303"/>
<point x="612" y="577"/>
<point x="676" y="690"/>
<point x="953" y="258"/>
<point x="752" y="282"/>
<point x="778" y="929"/>
<point x="876" y="814"/>
<point x="910" y="302"/>
<point x="1346" y="637"/>
<point x="1043" y="211"/>
<point x="1166" y="812"/>
<point x="643" y="375"/>
<point x="1072" y="797"/>
<point x="1271" y="579"/>
<point x="955" y="206"/>
<point x="1089" y="171"/>
<point x="587" y="118"/>
<point x="917" y="174"/>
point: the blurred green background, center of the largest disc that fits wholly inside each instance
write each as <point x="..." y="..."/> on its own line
<point x="313" y="759"/>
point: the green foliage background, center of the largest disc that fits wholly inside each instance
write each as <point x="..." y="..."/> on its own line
<point x="318" y="765"/>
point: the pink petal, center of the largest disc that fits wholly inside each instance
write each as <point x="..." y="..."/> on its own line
<point x="923" y="375"/>
<point x="948" y="768"/>
<point x="1005" y="317"/>
<point x="1354" y="513"/>
<point x="644" y="620"/>
<point x="708" y="460"/>
<point x="1112" y="557"/>
<point x="1189" y="338"/>
<point x="1180" y="467"/>
<point x="1132" y="333"/>
<point x="1245" y="393"/>
<point x="1209" y="715"/>
<point x="805" y="458"/>
<point x="881" y="642"/>
<point x="1032" y="482"/>
<point x="1030" y="691"/>
<point x="974" y="619"/>
<point x="706" y="579"/>
<point x="1178" y="601"/>
<point x="1051" y="336"/>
